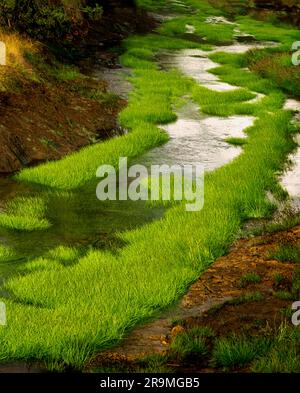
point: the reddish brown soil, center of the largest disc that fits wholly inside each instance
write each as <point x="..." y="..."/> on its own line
<point x="46" y="121"/>
<point x="212" y="301"/>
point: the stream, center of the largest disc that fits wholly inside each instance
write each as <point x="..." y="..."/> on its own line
<point x="79" y="219"/>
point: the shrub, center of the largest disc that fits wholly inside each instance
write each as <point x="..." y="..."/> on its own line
<point x="47" y="19"/>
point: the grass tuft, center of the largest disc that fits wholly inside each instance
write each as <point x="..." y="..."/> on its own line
<point x="25" y="214"/>
<point x="239" y="351"/>
<point x="286" y="254"/>
<point x="250" y="278"/>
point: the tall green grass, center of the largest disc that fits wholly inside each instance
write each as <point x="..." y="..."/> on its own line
<point x="76" y="169"/>
<point x="25" y="214"/>
<point x="67" y="314"/>
<point x="237" y="351"/>
<point x="6" y="253"/>
<point x="64" y="315"/>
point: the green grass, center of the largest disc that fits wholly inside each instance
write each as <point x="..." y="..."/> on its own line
<point x="262" y="30"/>
<point x="6" y="254"/>
<point x="276" y="66"/>
<point x="284" y="354"/>
<point x="154" y="364"/>
<point x="250" y="278"/>
<point x="211" y="33"/>
<point x="193" y="341"/>
<point x="283" y="224"/>
<point x="54" y="259"/>
<point x="25" y="214"/>
<point x="42" y="264"/>
<point x="64" y="254"/>
<point x="76" y="169"/>
<point x="296" y="284"/>
<point x="277" y="352"/>
<point x="284" y="295"/>
<point x="248" y="297"/>
<point x="241" y="77"/>
<point x="236" y="141"/>
<point x="108" y="99"/>
<point x="278" y="278"/>
<point x="65" y="73"/>
<point x="65" y="315"/>
<point x="286" y="254"/>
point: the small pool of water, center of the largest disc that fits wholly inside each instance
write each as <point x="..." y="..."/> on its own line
<point x="196" y="139"/>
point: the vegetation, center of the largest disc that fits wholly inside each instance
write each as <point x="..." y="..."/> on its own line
<point x="237" y="351"/>
<point x="276" y="351"/>
<point x="287" y="254"/>
<point x="64" y="313"/>
<point x="236" y="141"/>
<point x="25" y="214"/>
<point x="49" y="19"/>
<point x="192" y="342"/>
<point x="6" y="254"/>
<point x="250" y="278"/>
<point x="284" y="355"/>
<point x="248" y="297"/>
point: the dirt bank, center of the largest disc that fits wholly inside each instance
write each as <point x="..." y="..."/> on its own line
<point x="45" y="122"/>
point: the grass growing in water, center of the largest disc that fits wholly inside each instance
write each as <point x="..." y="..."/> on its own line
<point x="236" y="141"/>
<point x="25" y="214"/>
<point x="65" y="315"/>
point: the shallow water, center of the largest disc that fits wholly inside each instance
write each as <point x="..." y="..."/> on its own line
<point x="116" y="79"/>
<point x="196" y="139"/>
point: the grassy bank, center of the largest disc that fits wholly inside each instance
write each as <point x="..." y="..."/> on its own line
<point x="64" y="314"/>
